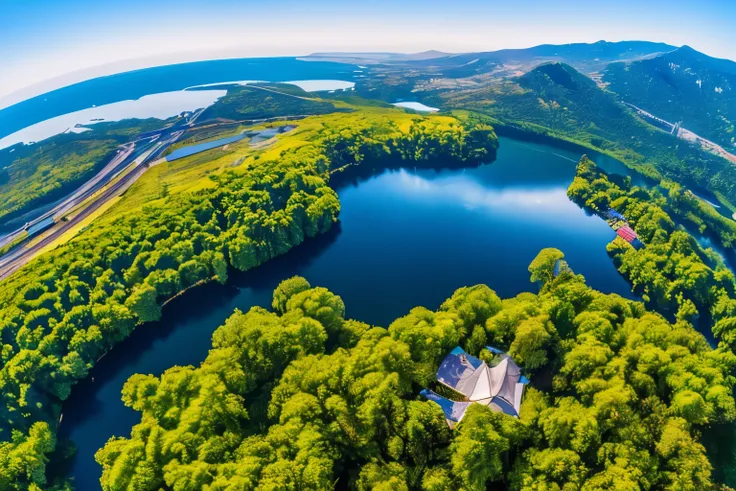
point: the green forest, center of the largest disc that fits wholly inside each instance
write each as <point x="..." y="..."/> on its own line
<point x="261" y="101"/>
<point x="67" y="308"/>
<point x="31" y="175"/>
<point x="302" y="398"/>
<point x="682" y="86"/>
<point x="673" y="272"/>
<point x="555" y="100"/>
<point x="624" y="394"/>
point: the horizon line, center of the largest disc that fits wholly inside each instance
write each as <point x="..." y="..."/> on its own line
<point x="83" y="75"/>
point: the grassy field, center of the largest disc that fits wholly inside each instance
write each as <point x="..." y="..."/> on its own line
<point x="192" y="173"/>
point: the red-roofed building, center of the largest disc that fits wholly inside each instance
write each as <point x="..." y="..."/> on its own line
<point x="627" y="234"/>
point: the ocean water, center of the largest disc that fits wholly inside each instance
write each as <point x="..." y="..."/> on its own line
<point x="134" y="85"/>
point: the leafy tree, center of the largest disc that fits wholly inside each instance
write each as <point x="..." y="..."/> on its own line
<point x="284" y="401"/>
<point x="543" y="266"/>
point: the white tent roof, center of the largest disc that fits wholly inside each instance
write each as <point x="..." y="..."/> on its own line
<point x="498" y="386"/>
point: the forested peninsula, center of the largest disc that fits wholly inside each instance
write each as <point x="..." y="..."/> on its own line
<point x="63" y="311"/>
<point x="305" y="398"/>
<point x="672" y="272"/>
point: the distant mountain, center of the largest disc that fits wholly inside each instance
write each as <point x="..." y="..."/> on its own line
<point x="586" y="57"/>
<point x="555" y="99"/>
<point x="558" y="96"/>
<point x="372" y="58"/>
<point x="683" y="85"/>
<point x="556" y="77"/>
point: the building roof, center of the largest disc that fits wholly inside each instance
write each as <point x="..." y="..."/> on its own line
<point x="626" y="233"/>
<point x="500" y="387"/>
<point x="612" y="214"/>
<point x="454" y="411"/>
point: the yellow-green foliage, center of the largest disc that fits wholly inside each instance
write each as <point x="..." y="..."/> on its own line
<point x="31" y="175"/>
<point x="181" y="224"/>
<point x="303" y="398"/>
<point x="52" y="167"/>
<point x="672" y="271"/>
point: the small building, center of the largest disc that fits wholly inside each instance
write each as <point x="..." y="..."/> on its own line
<point x="612" y="214"/>
<point x="500" y="387"/>
<point x="627" y="234"/>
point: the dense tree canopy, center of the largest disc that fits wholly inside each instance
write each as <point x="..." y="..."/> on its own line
<point x="673" y="271"/>
<point x="63" y="311"/>
<point x="302" y="398"/>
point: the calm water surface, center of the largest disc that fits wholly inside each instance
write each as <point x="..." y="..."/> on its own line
<point x="405" y="238"/>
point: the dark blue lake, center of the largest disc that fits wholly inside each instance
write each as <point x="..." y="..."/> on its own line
<point x="405" y="238"/>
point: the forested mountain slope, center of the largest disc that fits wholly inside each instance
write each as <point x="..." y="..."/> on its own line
<point x="261" y="101"/>
<point x="555" y="99"/>
<point x="682" y="86"/>
<point x="586" y="57"/>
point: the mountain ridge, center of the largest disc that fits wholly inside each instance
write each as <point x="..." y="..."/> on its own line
<point x="684" y="85"/>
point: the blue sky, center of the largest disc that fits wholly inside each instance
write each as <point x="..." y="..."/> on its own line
<point x="43" y="39"/>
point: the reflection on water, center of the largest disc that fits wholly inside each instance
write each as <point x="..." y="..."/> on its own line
<point x="406" y="238"/>
<point x="475" y="196"/>
<point x="416" y="106"/>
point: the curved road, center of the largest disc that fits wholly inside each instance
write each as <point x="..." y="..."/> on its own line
<point x="20" y="255"/>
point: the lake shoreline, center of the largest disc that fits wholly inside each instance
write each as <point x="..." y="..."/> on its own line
<point x="141" y="352"/>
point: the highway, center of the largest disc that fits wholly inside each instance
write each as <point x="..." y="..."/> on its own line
<point x="126" y="167"/>
<point x="131" y="161"/>
<point x="128" y="164"/>
<point x="677" y="130"/>
<point x="124" y="160"/>
<point x="78" y="195"/>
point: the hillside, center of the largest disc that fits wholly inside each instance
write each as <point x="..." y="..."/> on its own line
<point x="262" y="101"/>
<point x="33" y="175"/>
<point x="557" y="100"/>
<point x="586" y="57"/>
<point x="684" y="85"/>
<point x="558" y="97"/>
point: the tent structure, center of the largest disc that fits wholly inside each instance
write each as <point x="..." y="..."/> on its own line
<point x="626" y="233"/>
<point x="454" y="411"/>
<point x="500" y="387"/>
